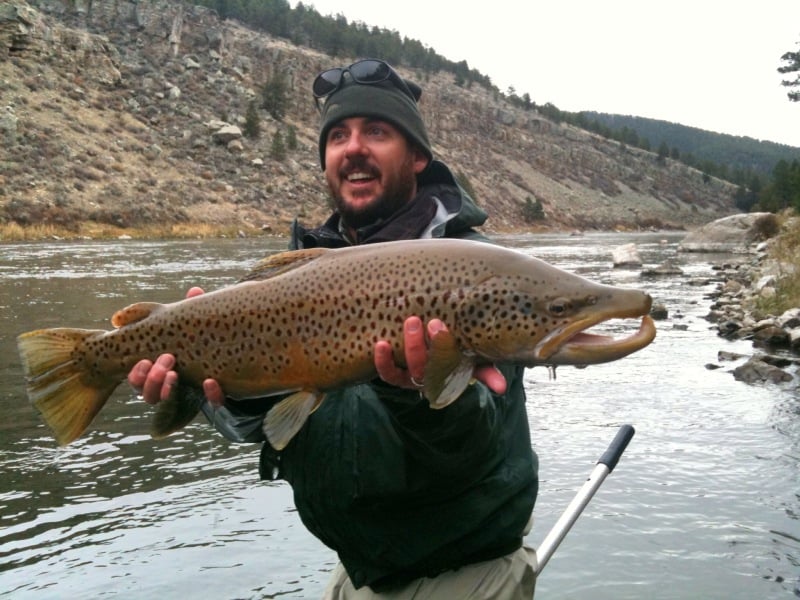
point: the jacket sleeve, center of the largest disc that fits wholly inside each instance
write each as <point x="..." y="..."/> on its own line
<point x="239" y="420"/>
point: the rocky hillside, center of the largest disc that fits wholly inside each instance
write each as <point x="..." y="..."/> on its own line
<point x="111" y="110"/>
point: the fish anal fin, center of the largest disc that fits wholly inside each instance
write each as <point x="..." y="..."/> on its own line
<point x="134" y="312"/>
<point x="448" y="371"/>
<point x="176" y="412"/>
<point x="280" y="263"/>
<point x="288" y="416"/>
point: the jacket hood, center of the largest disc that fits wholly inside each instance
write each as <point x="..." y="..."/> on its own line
<point x="465" y="215"/>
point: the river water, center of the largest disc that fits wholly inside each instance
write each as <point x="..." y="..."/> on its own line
<point x="704" y="503"/>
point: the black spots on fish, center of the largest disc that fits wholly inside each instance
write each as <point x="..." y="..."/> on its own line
<point x="502" y="316"/>
<point x="523" y="303"/>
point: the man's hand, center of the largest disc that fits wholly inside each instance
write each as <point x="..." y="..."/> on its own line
<point x="416" y="355"/>
<point x="155" y="381"/>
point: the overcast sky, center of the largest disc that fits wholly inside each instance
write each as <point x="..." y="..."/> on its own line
<point x="710" y="64"/>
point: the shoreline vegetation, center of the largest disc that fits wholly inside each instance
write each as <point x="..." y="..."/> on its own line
<point x="783" y="254"/>
<point x="13" y="232"/>
<point x="90" y="230"/>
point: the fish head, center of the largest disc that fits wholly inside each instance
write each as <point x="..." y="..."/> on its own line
<point x="537" y="314"/>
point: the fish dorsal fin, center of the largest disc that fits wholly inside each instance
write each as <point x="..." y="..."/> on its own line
<point x="288" y="416"/>
<point x="283" y="262"/>
<point x="134" y="312"/>
<point x="448" y="371"/>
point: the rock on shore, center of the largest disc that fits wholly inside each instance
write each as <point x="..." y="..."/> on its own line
<point x="734" y="308"/>
<point x="736" y="233"/>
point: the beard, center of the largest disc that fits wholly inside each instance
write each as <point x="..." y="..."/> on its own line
<point x="398" y="191"/>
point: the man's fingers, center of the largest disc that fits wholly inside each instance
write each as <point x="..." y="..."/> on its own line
<point x="213" y="393"/>
<point x="492" y="378"/>
<point x="138" y="374"/>
<point x="416" y="354"/>
<point x="152" y="388"/>
<point x="169" y="385"/>
<point x="435" y="326"/>
<point x="416" y="348"/>
<point x="194" y="291"/>
<point x="386" y="367"/>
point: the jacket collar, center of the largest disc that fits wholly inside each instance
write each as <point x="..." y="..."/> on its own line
<point x="441" y="208"/>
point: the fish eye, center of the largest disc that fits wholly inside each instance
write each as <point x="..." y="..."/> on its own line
<point x="559" y="306"/>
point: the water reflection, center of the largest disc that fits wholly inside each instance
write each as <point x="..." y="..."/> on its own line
<point x="704" y="504"/>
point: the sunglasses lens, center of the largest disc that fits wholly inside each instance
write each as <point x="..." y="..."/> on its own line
<point x="370" y="71"/>
<point x="326" y="82"/>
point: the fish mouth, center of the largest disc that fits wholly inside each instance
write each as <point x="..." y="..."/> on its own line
<point x="572" y="345"/>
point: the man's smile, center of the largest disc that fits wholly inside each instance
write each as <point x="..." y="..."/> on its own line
<point x="359" y="176"/>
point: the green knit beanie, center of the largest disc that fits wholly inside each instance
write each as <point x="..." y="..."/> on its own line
<point x="380" y="100"/>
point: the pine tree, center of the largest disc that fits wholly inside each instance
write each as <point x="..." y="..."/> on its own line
<point x="274" y="96"/>
<point x="291" y="138"/>
<point x="252" y="121"/>
<point x="663" y="153"/>
<point x="533" y="211"/>
<point x="792" y="60"/>
<point x="278" y="150"/>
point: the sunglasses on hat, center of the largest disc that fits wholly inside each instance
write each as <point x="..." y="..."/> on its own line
<point x="366" y="72"/>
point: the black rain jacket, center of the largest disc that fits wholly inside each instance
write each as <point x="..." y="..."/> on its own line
<point x="397" y="489"/>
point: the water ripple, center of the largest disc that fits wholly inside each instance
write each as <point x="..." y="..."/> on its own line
<point x="704" y="503"/>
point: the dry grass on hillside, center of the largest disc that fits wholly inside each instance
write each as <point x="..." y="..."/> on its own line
<point x="12" y="232"/>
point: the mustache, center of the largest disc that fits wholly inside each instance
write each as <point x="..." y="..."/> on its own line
<point x="359" y="165"/>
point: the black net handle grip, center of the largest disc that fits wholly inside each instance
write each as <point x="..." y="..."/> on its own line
<point x="611" y="456"/>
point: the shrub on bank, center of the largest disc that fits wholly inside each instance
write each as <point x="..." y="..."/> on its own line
<point x="784" y="252"/>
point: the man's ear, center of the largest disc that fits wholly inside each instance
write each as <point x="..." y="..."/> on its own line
<point x="421" y="161"/>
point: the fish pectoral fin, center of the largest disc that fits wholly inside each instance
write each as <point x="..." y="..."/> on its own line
<point x="134" y="312"/>
<point x="282" y="262"/>
<point x="448" y="371"/>
<point x="176" y="412"/>
<point x="288" y="416"/>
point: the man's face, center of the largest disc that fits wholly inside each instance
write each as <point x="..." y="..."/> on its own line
<point x="371" y="169"/>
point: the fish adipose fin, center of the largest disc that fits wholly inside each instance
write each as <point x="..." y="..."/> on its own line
<point x="66" y="395"/>
<point x="288" y="416"/>
<point x="283" y="262"/>
<point x="448" y="371"/>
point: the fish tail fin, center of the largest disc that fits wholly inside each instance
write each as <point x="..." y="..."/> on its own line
<point x="58" y="383"/>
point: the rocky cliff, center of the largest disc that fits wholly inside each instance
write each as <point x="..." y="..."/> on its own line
<point x="111" y="112"/>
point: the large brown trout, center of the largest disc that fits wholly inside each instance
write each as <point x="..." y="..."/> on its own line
<point x="306" y="322"/>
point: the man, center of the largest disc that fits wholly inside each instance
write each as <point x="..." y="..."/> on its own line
<point x="418" y="503"/>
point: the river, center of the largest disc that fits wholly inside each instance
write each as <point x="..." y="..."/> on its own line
<point x="704" y="503"/>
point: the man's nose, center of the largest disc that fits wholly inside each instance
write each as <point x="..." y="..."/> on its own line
<point x="355" y="144"/>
